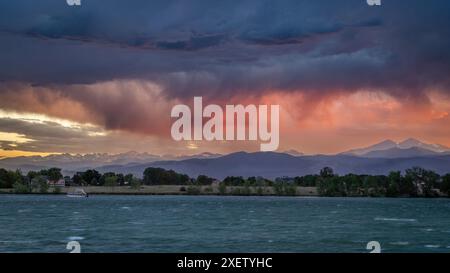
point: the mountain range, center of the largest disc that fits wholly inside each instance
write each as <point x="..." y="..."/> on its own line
<point x="94" y="160"/>
<point x="380" y="158"/>
<point x="407" y="148"/>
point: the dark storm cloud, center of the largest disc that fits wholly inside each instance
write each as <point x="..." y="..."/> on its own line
<point x="119" y="105"/>
<point x="41" y="129"/>
<point x="224" y="48"/>
<point x="48" y="136"/>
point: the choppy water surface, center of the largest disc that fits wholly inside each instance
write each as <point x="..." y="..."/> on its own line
<point x="38" y="223"/>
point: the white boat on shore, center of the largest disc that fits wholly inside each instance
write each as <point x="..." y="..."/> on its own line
<point x="78" y="193"/>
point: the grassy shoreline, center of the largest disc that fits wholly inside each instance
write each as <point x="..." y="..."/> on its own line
<point x="195" y="191"/>
<point x="179" y="190"/>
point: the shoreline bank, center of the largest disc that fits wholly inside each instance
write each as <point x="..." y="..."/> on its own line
<point x="177" y="190"/>
<point x="180" y="190"/>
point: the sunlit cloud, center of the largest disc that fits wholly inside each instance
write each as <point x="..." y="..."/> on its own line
<point x="14" y="137"/>
<point x="14" y="153"/>
<point x="192" y="146"/>
<point x="39" y="118"/>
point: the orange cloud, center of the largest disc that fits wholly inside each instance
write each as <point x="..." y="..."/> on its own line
<point x="313" y="123"/>
<point x="342" y="121"/>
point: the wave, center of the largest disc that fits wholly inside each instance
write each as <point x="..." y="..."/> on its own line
<point x="136" y="223"/>
<point x="432" y="246"/>
<point x="395" y="219"/>
<point x="399" y="243"/>
<point x="75" y="238"/>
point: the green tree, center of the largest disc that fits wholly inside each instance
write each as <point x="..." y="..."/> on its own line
<point x="445" y="186"/>
<point x="41" y="183"/>
<point x="21" y="187"/>
<point x="91" y="177"/>
<point x="77" y="179"/>
<point x="424" y="181"/>
<point x="53" y="174"/>
<point x="351" y="184"/>
<point x="9" y="178"/>
<point x="394" y="183"/>
<point x="128" y="178"/>
<point x="246" y="190"/>
<point x="204" y="180"/>
<point x="329" y="184"/>
<point x="327" y="172"/>
<point x="307" y="180"/>
<point x="234" y="181"/>
<point x="32" y="174"/>
<point x="278" y="188"/>
<point x="120" y="179"/>
<point x="135" y="184"/>
<point x="159" y="176"/>
<point x="252" y="181"/>
<point x="111" y="181"/>
<point x="222" y="188"/>
<point x="105" y="176"/>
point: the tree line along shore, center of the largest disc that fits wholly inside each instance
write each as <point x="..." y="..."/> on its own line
<point x="414" y="182"/>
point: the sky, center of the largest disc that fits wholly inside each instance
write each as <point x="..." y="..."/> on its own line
<point x="103" y="76"/>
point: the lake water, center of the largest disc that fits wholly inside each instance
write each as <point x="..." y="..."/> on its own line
<point x="38" y="223"/>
